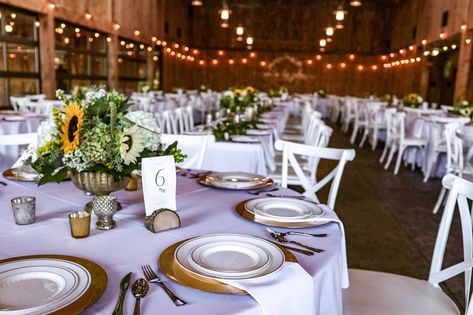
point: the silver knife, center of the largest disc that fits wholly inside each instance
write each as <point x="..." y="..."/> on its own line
<point x="124" y="284"/>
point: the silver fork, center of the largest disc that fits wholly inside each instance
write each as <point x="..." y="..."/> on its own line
<point x="282" y="239"/>
<point x="296" y="233"/>
<point x="152" y="277"/>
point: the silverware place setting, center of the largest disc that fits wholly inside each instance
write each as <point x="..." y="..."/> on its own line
<point x="298" y="250"/>
<point x="124" y="284"/>
<point x="294" y="197"/>
<point x="139" y="290"/>
<point x="256" y="192"/>
<point x="296" y="233"/>
<point x="283" y="240"/>
<point x="152" y="277"/>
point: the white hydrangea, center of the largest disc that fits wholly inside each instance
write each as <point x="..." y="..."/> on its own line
<point x="228" y="93"/>
<point x="47" y="130"/>
<point x="147" y="121"/>
<point x="92" y="96"/>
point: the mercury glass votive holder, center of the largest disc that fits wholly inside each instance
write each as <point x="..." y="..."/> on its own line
<point x="79" y="222"/>
<point x="24" y="209"/>
<point x="104" y="208"/>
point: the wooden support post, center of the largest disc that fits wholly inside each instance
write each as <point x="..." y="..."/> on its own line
<point x="47" y="54"/>
<point x="465" y="67"/>
<point x="113" y="62"/>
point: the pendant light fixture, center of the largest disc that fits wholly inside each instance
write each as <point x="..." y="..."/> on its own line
<point x="340" y="13"/>
<point x="224" y="14"/>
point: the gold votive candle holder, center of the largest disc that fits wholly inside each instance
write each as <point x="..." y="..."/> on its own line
<point x="79" y="222"/>
<point x="133" y="183"/>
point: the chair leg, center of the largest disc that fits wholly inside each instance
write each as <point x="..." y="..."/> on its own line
<point x="385" y="151"/>
<point x="353" y="135"/>
<point x="365" y="136"/>
<point x="391" y="155"/>
<point x="439" y="200"/>
<point x="430" y="166"/>
<point x="399" y="159"/>
<point x="375" y="139"/>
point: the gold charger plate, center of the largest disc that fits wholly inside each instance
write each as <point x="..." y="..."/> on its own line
<point x="172" y="270"/>
<point x="91" y="295"/>
<point x="243" y="212"/>
<point x="202" y="180"/>
<point x="10" y="174"/>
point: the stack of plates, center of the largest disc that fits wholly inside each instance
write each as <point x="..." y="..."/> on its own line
<point x="235" y="180"/>
<point x="282" y="212"/>
<point x="202" y="262"/>
<point x="229" y="256"/>
<point x="245" y="139"/>
<point x="42" y="285"/>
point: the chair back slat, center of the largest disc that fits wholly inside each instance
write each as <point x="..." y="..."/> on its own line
<point x="310" y="186"/>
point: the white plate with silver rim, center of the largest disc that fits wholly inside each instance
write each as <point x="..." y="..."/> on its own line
<point x="44" y="285"/>
<point x="245" y="139"/>
<point x="236" y="180"/>
<point x="284" y="209"/>
<point x="229" y="256"/>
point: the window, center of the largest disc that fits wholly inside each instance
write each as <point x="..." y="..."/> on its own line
<point x="132" y="65"/>
<point x="19" y="64"/>
<point x="81" y="56"/>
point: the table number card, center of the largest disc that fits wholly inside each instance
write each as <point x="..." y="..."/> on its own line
<point x="159" y="183"/>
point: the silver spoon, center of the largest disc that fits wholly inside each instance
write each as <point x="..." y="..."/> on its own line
<point x="139" y="290"/>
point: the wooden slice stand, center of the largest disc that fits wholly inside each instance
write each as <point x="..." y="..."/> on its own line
<point x="162" y="220"/>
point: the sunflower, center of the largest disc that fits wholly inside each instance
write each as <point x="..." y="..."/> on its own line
<point x="250" y="90"/>
<point x="71" y="129"/>
<point x="132" y="143"/>
<point x="412" y="97"/>
<point x="237" y="92"/>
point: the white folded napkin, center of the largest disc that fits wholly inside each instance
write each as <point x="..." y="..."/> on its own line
<point x="287" y="291"/>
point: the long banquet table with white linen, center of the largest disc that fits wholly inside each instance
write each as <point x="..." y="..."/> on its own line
<point x="202" y="210"/>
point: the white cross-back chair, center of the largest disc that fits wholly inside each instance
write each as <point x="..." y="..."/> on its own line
<point x="388" y="117"/>
<point x="309" y="184"/>
<point x="177" y="120"/>
<point x="439" y="146"/>
<point x="360" y="120"/>
<point x="188" y="144"/>
<point x="400" y="142"/>
<point x="375" y="293"/>
<point x="348" y="113"/>
<point x="164" y="122"/>
<point x="188" y="117"/>
<point x="456" y="163"/>
<point x="375" y="123"/>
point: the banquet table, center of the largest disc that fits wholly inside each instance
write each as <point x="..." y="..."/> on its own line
<point x="203" y="210"/>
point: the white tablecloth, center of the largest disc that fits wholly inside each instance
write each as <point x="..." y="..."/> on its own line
<point x="202" y="210"/>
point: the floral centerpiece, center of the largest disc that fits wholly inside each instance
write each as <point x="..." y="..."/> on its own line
<point x="143" y="87"/>
<point x="97" y="134"/>
<point x="321" y="93"/>
<point x="204" y="88"/>
<point x="388" y="98"/>
<point x="238" y="99"/>
<point x="412" y="100"/>
<point x="463" y="109"/>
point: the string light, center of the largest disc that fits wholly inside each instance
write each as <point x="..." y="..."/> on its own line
<point x="424" y="42"/>
<point x="355" y="3"/>
<point x="214" y="61"/>
<point x="137" y="33"/>
<point x="51" y="6"/>
<point x="220" y="52"/>
<point x="201" y="62"/>
<point x="339" y="13"/>
<point x="351" y="57"/>
<point x="309" y="62"/>
<point x="116" y="26"/>
<point x="244" y="60"/>
<point x="323" y="42"/>
<point x="249" y="40"/>
<point x="196" y="3"/>
<point x="37" y="24"/>
<point x="343" y="65"/>
<point x="318" y="57"/>
<point x="87" y="15"/>
<point x="231" y="61"/>
<point x="360" y="67"/>
<point x="468" y="41"/>
<point x="252" y="54"/>
<point x="109" y="39"/>
<point x="392" y="55"/>
<point x="411" y="47"/>
<point x="383" y="57"/>
<point x="154" y="38"/>
<point x="263" y="63"/>
<point x="463" y="27"/>
<point x="374" y="67"/>
<point x="240" y="30"/>
<point x="442" y="35"/>
<point x="195" y="51"/>
<point x="328" y="66"/>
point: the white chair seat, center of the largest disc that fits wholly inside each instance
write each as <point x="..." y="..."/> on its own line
<point x="376" y="293"/>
